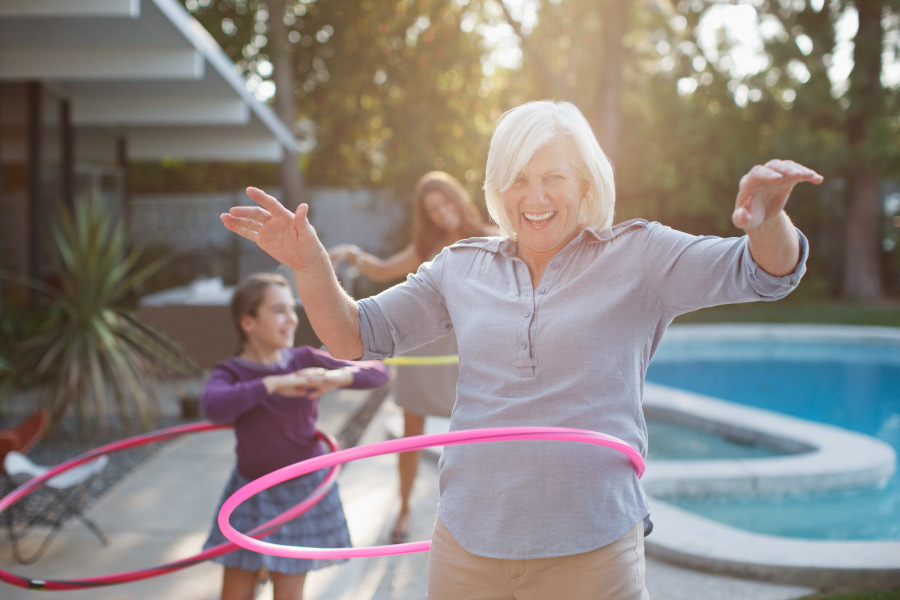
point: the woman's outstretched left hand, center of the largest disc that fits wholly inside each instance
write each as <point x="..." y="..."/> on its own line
<point x="765" y="189"/>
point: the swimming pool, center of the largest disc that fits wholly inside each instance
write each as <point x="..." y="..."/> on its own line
<point x="844" y="376"/>
<point x="673" y="441"/>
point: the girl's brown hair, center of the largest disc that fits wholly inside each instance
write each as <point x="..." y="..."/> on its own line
<point x="427" y="238"/>
<point x="248" y="295"/>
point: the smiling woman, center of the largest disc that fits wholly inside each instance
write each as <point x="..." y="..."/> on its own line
<point x="556" y="321"/>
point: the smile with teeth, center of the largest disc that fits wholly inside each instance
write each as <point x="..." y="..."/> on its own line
<point x="538" y="218"/>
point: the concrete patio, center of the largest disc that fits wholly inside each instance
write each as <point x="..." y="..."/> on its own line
<point x="162" y="510"/>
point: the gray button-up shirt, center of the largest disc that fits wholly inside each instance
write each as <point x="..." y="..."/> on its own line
<point x="572" y="352"/>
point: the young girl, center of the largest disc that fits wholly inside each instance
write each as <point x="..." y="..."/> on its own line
<point x="269" y="393"/>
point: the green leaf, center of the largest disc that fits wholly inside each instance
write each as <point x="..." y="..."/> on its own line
<point x="93" y="357"/>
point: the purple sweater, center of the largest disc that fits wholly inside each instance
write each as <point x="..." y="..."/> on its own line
<point x="273" y="431"/>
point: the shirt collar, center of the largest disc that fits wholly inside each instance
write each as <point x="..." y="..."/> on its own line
<point x="507" y="246"/>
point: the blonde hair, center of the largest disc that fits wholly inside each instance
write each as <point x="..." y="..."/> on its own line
<point x="524" y="130"/>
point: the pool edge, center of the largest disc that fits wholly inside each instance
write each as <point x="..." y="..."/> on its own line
<point x="683" y="538"/>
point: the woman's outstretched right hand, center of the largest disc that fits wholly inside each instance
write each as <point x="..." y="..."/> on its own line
<point x="287" y="237"/>
<point x="291" y="240"/>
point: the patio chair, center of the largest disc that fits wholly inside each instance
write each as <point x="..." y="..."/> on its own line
<point x="24" y="435"/>
<point x="67" y="494"/>
<point x="61" y="497"/>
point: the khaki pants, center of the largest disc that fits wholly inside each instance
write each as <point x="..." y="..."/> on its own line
<point x="613" y="572"/>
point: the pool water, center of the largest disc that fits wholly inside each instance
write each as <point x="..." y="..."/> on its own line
<point x="670" y="441"/>
<point x="852" y="385"/>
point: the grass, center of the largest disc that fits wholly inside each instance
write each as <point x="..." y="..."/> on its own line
<point x="800" y="310"/>
<point x="873" y="595"/>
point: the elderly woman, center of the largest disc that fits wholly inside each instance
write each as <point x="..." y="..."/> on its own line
<point x="556" y="322"/>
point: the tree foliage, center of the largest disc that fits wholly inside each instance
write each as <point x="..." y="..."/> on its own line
<point x="90" y="354"/>
<point x="679" y="155"/>
<point x="695" y="115"/>
<point x="388" y="90"/>
<point x="847" y="126"/>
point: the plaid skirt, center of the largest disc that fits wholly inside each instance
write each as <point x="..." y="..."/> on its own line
<point x="322" y="526"/>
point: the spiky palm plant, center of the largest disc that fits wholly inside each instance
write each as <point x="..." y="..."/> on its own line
<point x="93" y="356"/>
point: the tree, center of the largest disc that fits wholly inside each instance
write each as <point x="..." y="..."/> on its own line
<point x="865" y="114"/>
<point x="578" y="48"/>
<point x="293" y="188"/>
<point x="677" y="153"/>
<point x="847" y="128"/>
<point x="386" y="90"/>
<point x="256" y="36"/>
<point x="694" y="116"/>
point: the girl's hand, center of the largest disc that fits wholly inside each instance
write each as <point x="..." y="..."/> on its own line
<point x="312" y="382"/>
<point x="290" y="385"/>
<point x="287" y="237"/>
<point x="320" y="381"/>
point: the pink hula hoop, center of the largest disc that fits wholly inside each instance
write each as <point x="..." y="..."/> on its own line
<point x="127" y="576"/>
<point x="497" y="434"/>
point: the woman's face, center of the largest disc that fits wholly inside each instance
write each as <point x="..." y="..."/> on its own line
<point x="543" y="202"/>
<point x="441" y="211"/>
<point x="275" y="322"/>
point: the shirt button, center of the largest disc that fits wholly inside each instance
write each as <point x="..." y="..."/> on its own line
<point x="527" y="314"/>
<point x="523" y="345"/>
<point x="542" y="291"/>
<point x="554" y="264"/>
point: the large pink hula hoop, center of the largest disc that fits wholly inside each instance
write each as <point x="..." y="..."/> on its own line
<point x="139" y="440"/>
<point x="497" y="434"/>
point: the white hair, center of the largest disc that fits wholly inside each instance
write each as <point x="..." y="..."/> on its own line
<point x="524" y="130"/>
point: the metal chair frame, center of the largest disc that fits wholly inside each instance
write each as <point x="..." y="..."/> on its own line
<point x="66" y="495"/>
<point x="60" y="498"/>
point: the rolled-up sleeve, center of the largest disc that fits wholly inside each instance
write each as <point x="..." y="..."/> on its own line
<point x="376" y="331"/>
<point x="774" y="287"/>
<point x="693" y="272"/>
<point x="407" y="315"/>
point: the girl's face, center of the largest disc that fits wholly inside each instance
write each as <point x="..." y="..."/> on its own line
<point x="442" y="211"/>
<point x="275" y="322"/>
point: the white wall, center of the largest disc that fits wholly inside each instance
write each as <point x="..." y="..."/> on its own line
<point x="191" y="222"/>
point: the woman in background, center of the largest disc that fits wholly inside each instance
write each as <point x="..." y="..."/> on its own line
<point x="443" y="213"/>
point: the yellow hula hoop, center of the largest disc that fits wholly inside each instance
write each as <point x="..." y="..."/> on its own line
<point x="419" y="361"/>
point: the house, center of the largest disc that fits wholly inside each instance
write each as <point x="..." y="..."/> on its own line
<point x="87" y="86"/>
